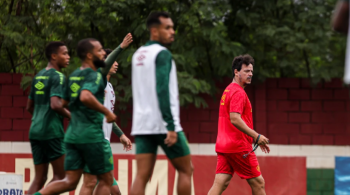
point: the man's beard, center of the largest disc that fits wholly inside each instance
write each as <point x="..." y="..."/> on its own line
<point x="98" y="63"/>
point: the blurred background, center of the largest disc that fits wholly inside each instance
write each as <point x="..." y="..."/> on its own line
<point x="298" y="97"/>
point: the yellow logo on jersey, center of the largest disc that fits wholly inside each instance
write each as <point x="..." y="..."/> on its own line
<point x="111" y="160"/>
<point x="223" y="99"/>
<point x="98" y="78"/>
<point x="258" y="168"/>
<point x="39" y="85"/>
<point x="74" y="87"/>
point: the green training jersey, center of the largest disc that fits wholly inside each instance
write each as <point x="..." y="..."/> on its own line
<point x="86" y="124"/>
<point x="46" y="123"/>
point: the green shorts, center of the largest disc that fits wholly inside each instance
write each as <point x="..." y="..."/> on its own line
<point x="96" y="156"/>
<point x="150" y="143"/>
<point x="45" y="151"/>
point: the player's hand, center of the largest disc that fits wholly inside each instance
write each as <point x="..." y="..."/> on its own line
<point x="110" y="117"/>
<point x="126" y="41"/>
<point x="262" y="140"/>
<point x="265" y="148"/>
<point x="126" y="142"/>
<point x="171" y="138"/>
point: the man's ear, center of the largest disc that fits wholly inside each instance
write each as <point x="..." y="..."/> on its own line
<point x="53" y="56"/>
<point x="89" y="56"/>
<point x="154" y="30"/>
<point x="236" y="72"/>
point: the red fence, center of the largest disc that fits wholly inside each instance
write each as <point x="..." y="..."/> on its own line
<point x="288" y="111"/>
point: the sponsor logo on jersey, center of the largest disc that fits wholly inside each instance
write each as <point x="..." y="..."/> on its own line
<point x="74" y="87"/>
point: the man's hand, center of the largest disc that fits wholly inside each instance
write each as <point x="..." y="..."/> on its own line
<point x="262" y="140"/>
<point x="110" y="117"/>
<point x="126" y="142"/>
<point x="265" y="148"/>
<point x="126" y="41"/>
<point x="171" y="138"/>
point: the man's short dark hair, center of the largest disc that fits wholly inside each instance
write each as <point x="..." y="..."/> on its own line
<point x="153" y="18"/>
<point x="84" y="47"/>
<point x="53" y="47"/>
<point x="239" y="61"/>
<point x="108" y="51"/>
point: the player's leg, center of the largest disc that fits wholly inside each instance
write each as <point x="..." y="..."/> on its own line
<point x="41" y="166"/>
<point x="258" y="185"/>
<point x="248" y="168"/>
<point x="100" y="165"/>
<point x="179" y="155"/>
<point x="56" y="150"/>
<point x="89" y="183"/>
<point x="184" y="168"/>
<point x="39" y="179"/>
<point x="145" y="164"/>
<point x="146" y="153"/>
<point x="115" y="189"/>
<point x="105" y="182"/>
<point x="221" y="182"/>
<point x="224" y="172"/>
<point x="73" y="165"/>
<point x="67" y="184"/>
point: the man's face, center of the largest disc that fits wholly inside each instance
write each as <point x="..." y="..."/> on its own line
<point x="97" y="54"/>
<point x="245" y="74"/>
<point x="62" y="57"/>
<point x="98" y="51"/>
<point x="114" y="68"/>
<point x="165" y="31"/>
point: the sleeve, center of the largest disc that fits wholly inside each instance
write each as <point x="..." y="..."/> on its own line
<point x="57" y="85"/>
<point x="237" y="102"/>
<point x="116" y="129"/>
<point x="163" y="67"/>
<point x="112" y="57"/>
<point x="92" y="82"/>
<point x="31" y="94"/>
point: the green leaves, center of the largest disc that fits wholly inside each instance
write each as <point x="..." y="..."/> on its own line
<point x="286" y="38"/>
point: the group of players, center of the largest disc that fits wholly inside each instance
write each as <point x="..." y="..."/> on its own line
<point x="87" y="99"/>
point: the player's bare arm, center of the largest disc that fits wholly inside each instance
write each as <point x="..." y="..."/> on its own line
<point x="237" y="121"/>
<point x="57" y="106"/>
<point x="30" y="106"/>
<point x="340" y="20"/>
<point x="89" y="100"/>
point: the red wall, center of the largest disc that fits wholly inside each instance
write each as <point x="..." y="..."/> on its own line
<point x="274" y="170"/>
<point x="287" y="111"/>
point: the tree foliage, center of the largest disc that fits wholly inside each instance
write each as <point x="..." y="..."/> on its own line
<point x="287" y="38"/>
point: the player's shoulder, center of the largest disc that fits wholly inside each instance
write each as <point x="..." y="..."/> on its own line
<point x="56" y="74"/>
<point x="234" y="88"/>
<point x="41" y="73"/>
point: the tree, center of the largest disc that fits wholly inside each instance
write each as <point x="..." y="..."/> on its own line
<point x="287" y="38"/>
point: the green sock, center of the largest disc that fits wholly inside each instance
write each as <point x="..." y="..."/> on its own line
<point x="37" y="193"/>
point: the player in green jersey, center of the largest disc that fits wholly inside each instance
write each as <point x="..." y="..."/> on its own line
<point x="44" y="103"/>
<point x="85" y="143"/>
<point x="90" y="180"/>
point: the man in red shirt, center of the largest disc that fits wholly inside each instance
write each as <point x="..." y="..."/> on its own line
<point x="236" y="134"/>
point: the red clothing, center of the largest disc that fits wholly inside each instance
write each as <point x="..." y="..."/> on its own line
<point x="245" y="168"/>
<point x="230" y="139"/>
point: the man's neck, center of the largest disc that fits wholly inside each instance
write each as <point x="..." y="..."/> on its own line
<point x="240" y="84"/>
<point x="88" y="64"/>
<point x="54" y="66"/>
<point x="108" y="77"/>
